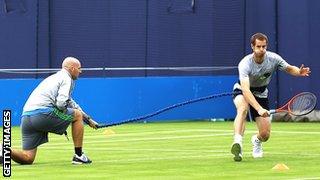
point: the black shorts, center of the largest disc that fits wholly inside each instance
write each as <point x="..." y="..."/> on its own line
<point x="264" y="102"/>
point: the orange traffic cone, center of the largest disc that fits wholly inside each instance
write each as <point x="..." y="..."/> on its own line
<point x="280" y="167"/>
<point x="108" y="132"/>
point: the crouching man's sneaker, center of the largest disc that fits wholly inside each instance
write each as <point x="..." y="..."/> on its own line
<point x="257" y="151"/>
<point x="236" y="150"/>
<point x="83" y="159"/>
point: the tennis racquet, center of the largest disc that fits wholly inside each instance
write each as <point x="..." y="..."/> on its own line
<point x="301" y="104"/>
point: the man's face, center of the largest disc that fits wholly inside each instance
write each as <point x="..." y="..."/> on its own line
<point x="75" y="71"/>
<point x="260" y="48"/>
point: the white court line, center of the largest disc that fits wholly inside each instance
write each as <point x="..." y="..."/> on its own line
<point x="137" y="160"/>
<point x="308" y="178"/>
<point x="209" y="130"/>
<point x="297" y="132"/>
<point x="184" y="151"/>
<point x="94" y="136"/>
<point x="147" y="139"/>
<point x="203" y="130"/>
<point x="226" y="132"/>
<point x="89" y="136"/>
<point x="132" y="160"/>
<point x="144" y="149"/>
<point x="169" y="132"/>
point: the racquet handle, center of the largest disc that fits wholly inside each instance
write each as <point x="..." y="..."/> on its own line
<point x="91" y="123"/>
<point x="272" y="111"/>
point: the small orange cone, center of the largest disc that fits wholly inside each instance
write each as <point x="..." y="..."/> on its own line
<point x="108" y="132"/>
<point x="280" y="167"/>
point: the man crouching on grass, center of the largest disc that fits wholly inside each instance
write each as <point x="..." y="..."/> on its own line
<point x="50" y="108"/>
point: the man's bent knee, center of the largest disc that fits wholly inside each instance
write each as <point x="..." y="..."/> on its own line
<point x="28" y="161"/>
<point x="243" y="110"/>
<point x="24" y="157"/>
<point x="30" y="155"/>
<point x="264" y="135"/>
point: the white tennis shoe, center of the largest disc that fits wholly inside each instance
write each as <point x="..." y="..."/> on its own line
<point x="83" y="159"/>
<point x="257" y="151"/>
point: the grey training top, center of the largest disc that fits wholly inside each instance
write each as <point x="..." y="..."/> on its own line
<point x="54" y="91"/>
<point x="260" y="74"/>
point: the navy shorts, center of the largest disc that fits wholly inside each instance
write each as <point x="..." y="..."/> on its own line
<point x="264" y="102"/>
<point x="35" y="128"/>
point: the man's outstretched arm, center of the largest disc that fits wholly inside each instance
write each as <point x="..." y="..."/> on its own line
<point x="295" y="71"/>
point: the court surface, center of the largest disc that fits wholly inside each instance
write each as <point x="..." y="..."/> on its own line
<point x="180" y="150"/>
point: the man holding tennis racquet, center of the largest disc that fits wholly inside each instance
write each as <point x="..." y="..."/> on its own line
<point x="255" y="71"/>
<point x="50" y="108"/>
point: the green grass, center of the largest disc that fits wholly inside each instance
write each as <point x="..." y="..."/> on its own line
<point x="183" y="150"/>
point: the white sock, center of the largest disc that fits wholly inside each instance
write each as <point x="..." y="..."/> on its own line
<point x="237" y="138"/>
<point x="255" y="137"/>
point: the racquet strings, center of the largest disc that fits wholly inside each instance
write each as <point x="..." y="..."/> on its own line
<point x="303" y="104"/>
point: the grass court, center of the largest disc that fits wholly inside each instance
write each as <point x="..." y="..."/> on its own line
<point x="176" y="150"/>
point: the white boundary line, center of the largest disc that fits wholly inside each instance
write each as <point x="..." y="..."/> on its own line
<point x="89" y="135"/>
<point x="312" y="178"/>
<point x="187" y="151"/>
<point x="110" y="140"/>
<point x="132" y="160"/>
<point x="209" y="130"/>
<point x="136" y="160"/>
